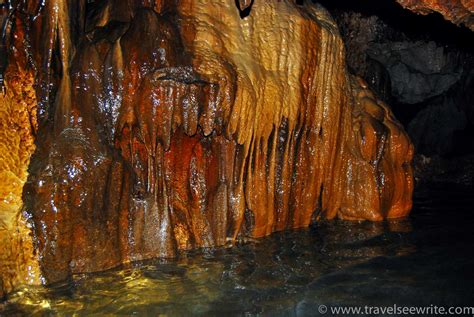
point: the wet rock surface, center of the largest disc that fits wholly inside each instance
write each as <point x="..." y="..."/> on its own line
<point x="18" y="125"/>
<point x="181" y="126"/>
<point x="417" y="261"/>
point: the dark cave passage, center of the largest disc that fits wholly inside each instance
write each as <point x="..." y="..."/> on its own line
<point x="423" y="66"/>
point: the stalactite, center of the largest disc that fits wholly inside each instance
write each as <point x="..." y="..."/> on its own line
<point x="179" y="125"/>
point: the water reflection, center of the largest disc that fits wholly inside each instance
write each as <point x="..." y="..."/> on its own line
<point x="412" y="261"/>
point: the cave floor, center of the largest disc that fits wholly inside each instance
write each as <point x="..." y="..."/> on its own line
<point x="424" y="260"/>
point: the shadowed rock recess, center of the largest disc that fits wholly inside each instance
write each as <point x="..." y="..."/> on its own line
<point x="167" y="126"/>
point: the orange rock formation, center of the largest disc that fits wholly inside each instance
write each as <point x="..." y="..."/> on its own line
<point x="167" y="127"/>
<point x="18" y="265"/>
<point x="460" y="12"/>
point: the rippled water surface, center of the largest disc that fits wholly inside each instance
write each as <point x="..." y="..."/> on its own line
<point x="423" y="260"/>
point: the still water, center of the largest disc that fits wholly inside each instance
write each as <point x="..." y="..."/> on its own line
<point x="426" y="259"/>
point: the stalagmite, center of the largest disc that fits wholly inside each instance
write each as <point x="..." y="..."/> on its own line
<point x="167" y="126"/>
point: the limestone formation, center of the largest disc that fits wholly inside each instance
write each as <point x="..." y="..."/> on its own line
<point x="166" y="126"/>
<point x="460" y="12"/>
<point x="18" y="264"/>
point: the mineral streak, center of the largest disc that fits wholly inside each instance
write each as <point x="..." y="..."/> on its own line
<point x="167" y="126"/>
<point x="460" y="12"/>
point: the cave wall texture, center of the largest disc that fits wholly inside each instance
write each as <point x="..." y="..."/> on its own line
<point x="18" y="125"/>
<point x="460" y="12"/>
<point x="166" y="126"/>
<point x="423" y="67"/>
